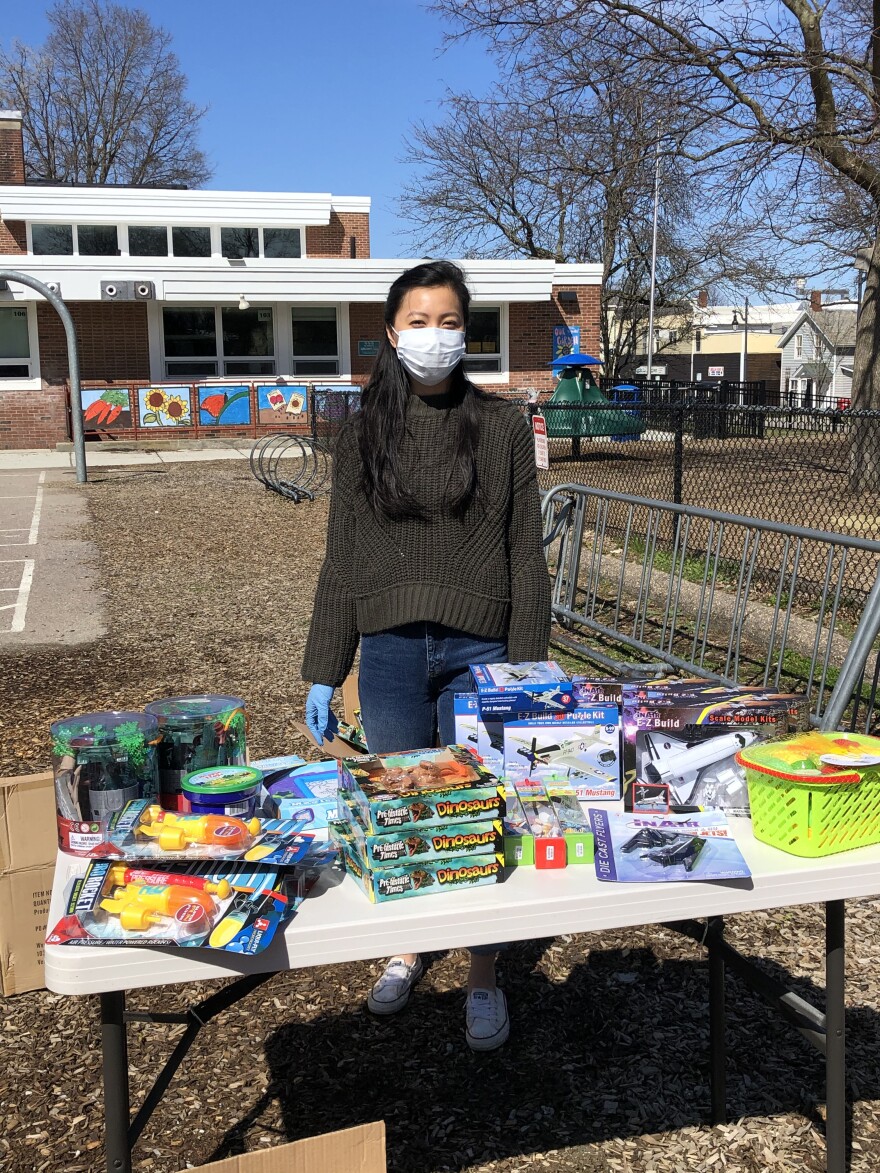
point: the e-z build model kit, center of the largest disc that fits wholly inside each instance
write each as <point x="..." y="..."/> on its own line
<point x="681" y="755"/>
<point x="581" y="749"/>
<point x="422" y="878"/>
<point x="538" y="687"/>
<point x="430" y="788"/>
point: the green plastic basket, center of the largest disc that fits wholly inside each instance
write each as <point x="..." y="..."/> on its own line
<point x="808" y="808"/>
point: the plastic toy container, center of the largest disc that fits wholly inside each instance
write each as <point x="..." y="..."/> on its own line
<point x="101" y="761"/>
<point x="223" y="790"/>
<point x="198" y="733"/>
<point x="815" y="794"/>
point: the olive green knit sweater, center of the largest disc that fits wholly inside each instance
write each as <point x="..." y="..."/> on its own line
<point x="483" y="572"/>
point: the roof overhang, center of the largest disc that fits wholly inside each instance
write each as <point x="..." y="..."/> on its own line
<point x="309" y="280"/>
<point x="183" y="208"/>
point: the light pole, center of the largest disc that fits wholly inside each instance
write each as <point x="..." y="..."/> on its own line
<point x="744" y="352"/>
<point x="79" y="447"/>
<point x="650" y="356"/>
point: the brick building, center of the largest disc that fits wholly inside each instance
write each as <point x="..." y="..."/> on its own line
<point x="227" y="305"/>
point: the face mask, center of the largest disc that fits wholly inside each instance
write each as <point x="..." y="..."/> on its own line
<point x="429" y="354"/>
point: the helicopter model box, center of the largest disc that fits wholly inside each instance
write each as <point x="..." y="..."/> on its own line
<point x="680" y="756"/>
<point x="581" y="749"/>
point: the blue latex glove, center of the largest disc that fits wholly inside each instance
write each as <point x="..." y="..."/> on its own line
<point x="318" y="715"/>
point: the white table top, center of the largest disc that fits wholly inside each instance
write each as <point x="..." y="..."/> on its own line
<point x="340" y="924"/>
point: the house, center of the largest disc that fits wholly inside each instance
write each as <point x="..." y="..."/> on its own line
<point x="703" y="343"/>
<point x="817" y="353"/>
<point x="211" y="313"/>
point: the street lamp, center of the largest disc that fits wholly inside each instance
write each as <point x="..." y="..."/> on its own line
<point x="744" y="353"/>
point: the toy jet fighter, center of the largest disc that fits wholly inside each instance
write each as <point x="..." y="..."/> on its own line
<point x="699" y="773"/>
<point x="569" y="756"/>
<point x="667" y="848"/>
<point x="506" y="674"/>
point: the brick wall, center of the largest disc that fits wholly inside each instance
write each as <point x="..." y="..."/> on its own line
<point x="11" y="151"/>
<point x="365" y="324"/>
<point x="112" y="339"/>
<point x="334" y="239"/>
<point x="33" y="419"/>
<point x="531" y="333"/>
<point x="13" y="237"/>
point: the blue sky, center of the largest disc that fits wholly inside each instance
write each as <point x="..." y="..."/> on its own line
<point x="307" y="96"/>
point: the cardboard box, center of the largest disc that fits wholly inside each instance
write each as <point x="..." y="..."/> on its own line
<point x="503" y="689"/>
<point x="28" y="845"/>
<point x="581" y="748"/>
<point x="338" y="747"/>
<point x="353" y="1150"/>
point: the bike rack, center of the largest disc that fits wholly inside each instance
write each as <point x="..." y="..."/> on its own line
<point x="297" y="467"/>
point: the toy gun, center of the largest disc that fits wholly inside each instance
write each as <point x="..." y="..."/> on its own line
<point x="140" y="905"/>
<point x="175" y="832"/>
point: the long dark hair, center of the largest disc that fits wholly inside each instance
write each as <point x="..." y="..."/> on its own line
<point x="382" y="419"/>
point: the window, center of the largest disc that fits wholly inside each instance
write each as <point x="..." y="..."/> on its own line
<point x="190" y="342"/>
<point x="484" y="340"/>
<point x="698" y="341"/>
<point x="97" y="240"/>
<point x="15" y="350"/>
<point x="52" y="240"/>
<point x="281" y="242"/>
<point x="315" y="343"/>
<point x="237" y="243"/>
<point x="191" y="242"/>
<point x="204" y="341"/>
<point x="798" y="346"/>
<point x="144" y="241"/>
<point x="248" y="333"/>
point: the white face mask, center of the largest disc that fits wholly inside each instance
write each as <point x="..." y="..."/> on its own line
<point x="429" y="354"/>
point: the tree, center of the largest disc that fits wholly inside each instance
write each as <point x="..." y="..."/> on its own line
<point x="791" y="92"/>
<point x="103" y="101"/>
<point x="547" y="169"/>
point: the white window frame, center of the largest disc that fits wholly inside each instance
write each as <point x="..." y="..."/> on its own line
<point x="32" y="382"/>
<point x="343" y="361"/>
<point x="798" y="346"/>
<point x="121" y="240"/>
<point x="159" y="359"/>
<point x="502" y="375"/>
<point x="124" y="245"/>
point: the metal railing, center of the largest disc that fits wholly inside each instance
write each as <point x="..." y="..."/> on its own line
<point x="732" y="598"/>
<point x="297" y="467"/>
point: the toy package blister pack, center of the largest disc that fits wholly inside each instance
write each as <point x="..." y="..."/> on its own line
<point x="634" y="848"/>
<point x="236" y="908"/>
<point x="304" y="791"/>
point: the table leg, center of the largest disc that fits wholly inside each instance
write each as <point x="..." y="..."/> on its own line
<point x="717" y="1022"/>
<point x="117" y="1110"/>
<point x="835" y="1036"/>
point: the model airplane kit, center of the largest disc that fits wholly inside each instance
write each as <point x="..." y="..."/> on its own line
<point x="581" y="749"/>
<point x="503" y="689"/>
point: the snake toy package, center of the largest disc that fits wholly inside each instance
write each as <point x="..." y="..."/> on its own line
<point x="235" y="908"/>
<point x="427" y="788"/>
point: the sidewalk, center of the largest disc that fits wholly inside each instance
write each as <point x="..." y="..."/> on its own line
<point x="107" y="456"/>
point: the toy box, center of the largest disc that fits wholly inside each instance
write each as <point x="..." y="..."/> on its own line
<point x="519" y="842"/>
<point x="561" y="830"/>
<point x="467" y="719"/>
<point x="306" y="792"/>
<point x="581" y="748"/>
<point x="682" y="755"/>
<point x="633" y="848"/>
<point x="388" y="848"/>
<point x="144" y="831"/>
<point x="428" y="788"/>
<point x="589" y="692"/>
<point x="234" y="907"/>
<point x="503" y="689"/>
<point x="414" y="879"/>
<point x="574" y="821"/>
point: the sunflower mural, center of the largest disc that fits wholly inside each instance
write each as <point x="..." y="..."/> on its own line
<point x="164" y="407"/>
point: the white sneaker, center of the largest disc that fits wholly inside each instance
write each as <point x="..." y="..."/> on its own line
<point x="488" y="1024"/>
<point x="391" y="992"/>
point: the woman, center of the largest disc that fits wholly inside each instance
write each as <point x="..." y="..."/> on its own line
<point x="434" y="561"/>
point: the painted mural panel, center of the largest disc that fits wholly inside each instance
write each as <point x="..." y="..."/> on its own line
<point x="281" y="405"/>
<point x="106" y="409"/>
<point x="225" y="405"/>
<point x="164" y="407"/>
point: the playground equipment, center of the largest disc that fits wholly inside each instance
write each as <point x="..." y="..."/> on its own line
<point x="569" y="413"/>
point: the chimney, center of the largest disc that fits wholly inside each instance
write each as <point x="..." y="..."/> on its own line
<point x="815" y="301"/>
<point x="703" y="299"/>
<point x="11" y="147"/>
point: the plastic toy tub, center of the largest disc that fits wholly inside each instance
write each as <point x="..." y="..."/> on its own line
<point x="198" y="732"/>
<point x="224" y="790"/>
<point x="815" y="794"/>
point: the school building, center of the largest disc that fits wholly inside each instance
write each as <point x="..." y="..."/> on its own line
<point x="205" y="313"/>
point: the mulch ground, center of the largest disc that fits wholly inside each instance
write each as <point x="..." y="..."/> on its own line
<point x="208" y="582"/>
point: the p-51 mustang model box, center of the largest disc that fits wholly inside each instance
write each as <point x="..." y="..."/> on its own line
<point x="428" y="788"/>
<point x="538" y="687"/>
<point x="581" y="749"/>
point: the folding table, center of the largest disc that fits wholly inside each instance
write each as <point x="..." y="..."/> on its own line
<point x="339" y="924"/>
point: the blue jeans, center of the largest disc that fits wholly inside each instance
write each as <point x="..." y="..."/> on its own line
<point x="407" y="679"/>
